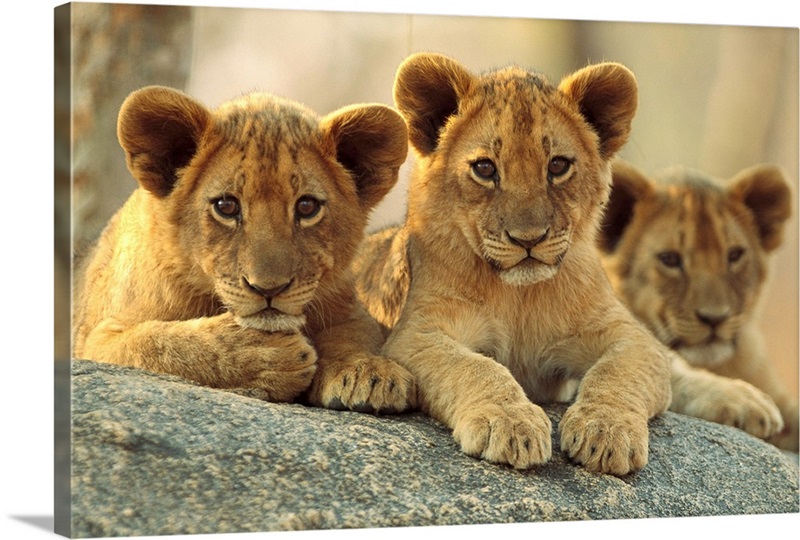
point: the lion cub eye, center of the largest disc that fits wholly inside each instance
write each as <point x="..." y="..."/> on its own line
<point x="227" y="207"/>
<point x="484" y="170"/>
<point x="557" y="167"/>
<point x="734" y="254"/>
<point x="670" y="259"/>
<point x="307" y="207"/>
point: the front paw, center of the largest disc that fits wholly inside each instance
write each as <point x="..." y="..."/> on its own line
<point x="739" y="404"/>
<point x="604" y="438"/>
<point x="517" y="434"/>
<point x="371" y="384"/>
<point x="281" y="365"/>
<point x="787" y="438"/>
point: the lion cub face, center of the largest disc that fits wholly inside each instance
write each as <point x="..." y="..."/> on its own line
<point x="269" y="201"/>
<point x="690" y="256"/>
<point x="514" y="159"/>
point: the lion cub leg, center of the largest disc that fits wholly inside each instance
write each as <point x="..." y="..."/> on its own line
<point x="475" y="396"/>
<point x="352" y="375"/>
<point x="213" y="351"/>
<point x="606" y="428"/>
<point x="734" y="402"/>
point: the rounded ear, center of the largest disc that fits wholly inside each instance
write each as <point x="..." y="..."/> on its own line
<point x="607" y="97"/>
<point x="764" y="189"/>
<point x="160" y="128"/>
<point x="629" y="186"/>
<point x="427" y="91"/>
<point x="370" y="141"/>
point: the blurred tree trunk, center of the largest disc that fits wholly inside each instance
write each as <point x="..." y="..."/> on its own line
<point x="103" y="52"/>
<point x="117" y="48"/>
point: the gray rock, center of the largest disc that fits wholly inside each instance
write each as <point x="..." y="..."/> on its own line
<point x="154" y="455"/>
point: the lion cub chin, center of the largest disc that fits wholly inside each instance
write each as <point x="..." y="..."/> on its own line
<point x="689" y="255"/>
<point x="493" y="289"/>
<point x="233" y="254"/>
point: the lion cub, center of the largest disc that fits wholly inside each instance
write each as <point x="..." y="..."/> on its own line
<point x="234" y="250"/>
<point x="690" y="258"/>
<point x="493" y="289"/>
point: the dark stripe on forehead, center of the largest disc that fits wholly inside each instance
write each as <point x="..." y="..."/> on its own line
<point x="497" y="146"/>
<point x="697" y="208"/>
<point x="546" y="145"/>
<point x="709" y="233"/>
<point x="294" y="180"/>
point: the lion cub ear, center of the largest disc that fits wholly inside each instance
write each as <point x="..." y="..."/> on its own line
<point x="629" y="186"/>
<point x="160" y="128"/>
<point x="764" y="190"/>
<point x="607" y="97"/>
<point x="427" y="91"/>
<point x="370" y="141"/>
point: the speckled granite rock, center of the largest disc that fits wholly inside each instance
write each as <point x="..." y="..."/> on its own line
<point x="156" y="455"/>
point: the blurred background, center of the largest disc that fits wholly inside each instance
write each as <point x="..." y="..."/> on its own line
<point x="715" y="98"/>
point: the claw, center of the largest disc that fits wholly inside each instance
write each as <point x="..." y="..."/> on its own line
<point x="363" y="408"/>
<point x="336" y="404"/>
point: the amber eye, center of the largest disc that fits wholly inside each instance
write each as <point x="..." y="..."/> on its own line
<point x="227" y="207"/>
<point x="485" y="169"/>
<point x="307" y="207"/>
<point x="734" y="254"/>
<point x="558" y="166"/>
<point x="670" y="259"/>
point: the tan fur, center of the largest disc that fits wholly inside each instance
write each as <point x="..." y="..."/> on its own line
<point x="232" y="257"/>
<point x="690" y="257"/>
<point x="485" y="327"/>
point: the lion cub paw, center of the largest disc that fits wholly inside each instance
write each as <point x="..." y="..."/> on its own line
<point x="604" y="439"/>
<point x="517" y="434"/>
<point x="370" y="384"/>
<point x="787" y="438"/>
<point x="282" y="365"/>
<point x="740" y="404"/>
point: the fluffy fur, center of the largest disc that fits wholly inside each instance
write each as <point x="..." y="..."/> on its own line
<point x="493" y="289"/>
<point x="232" y="256"/>
<point x="690" y="256"/>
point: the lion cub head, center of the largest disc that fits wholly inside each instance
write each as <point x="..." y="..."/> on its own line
<point x="520" y="165"/>
<point x="689" y="256"/>
<point x="265" y="199"/>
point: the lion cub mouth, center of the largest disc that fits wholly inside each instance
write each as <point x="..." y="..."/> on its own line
<point x="281" y="309"/>
<point x="704" y="349"/>
<point x="520" y="262"/>
<point x="529" y="270"/>
<point x="523" y="266"/>
<point x="709" y="353"/>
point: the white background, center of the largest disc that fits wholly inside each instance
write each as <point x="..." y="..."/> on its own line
<point x="26" y="480"/>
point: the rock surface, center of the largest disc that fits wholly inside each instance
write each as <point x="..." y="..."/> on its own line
<point x="154" y="455"/>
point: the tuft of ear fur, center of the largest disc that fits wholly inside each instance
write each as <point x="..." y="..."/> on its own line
<point x="629" y="186"/>
<point x="427" y="91"/>
<point x="371" y="141"/>
<point x="607" y="97"/>
<point x="160" y="128"/>
<point x="764" y="190"/>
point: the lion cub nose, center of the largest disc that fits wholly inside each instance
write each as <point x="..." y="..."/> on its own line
<point x="270" y="292"/>
<point x="531" y="241"/>
<point x="712" y="320"/>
